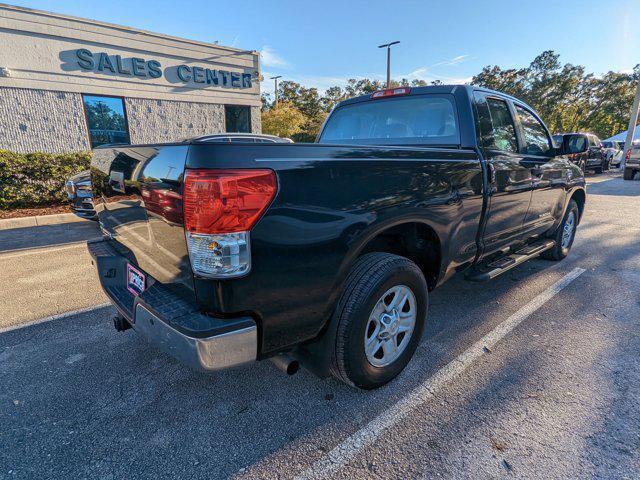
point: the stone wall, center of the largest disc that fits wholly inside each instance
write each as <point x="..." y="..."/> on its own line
<point x="153" y="121"/>
<point x="256" y="120"/>
<point x="54" y="122"/>
<point x="39" y="120"/>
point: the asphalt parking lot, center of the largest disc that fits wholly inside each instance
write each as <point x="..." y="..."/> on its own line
<point x="534" y="375"/>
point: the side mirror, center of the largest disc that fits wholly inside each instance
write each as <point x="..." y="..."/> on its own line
<point x="573" y="143"/>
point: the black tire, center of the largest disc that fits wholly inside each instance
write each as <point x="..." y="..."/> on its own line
<point x="597" y="169"/>
<point x="628" y="174"/>
<point x="558" y="252"/>
<point x="370" y="278"/>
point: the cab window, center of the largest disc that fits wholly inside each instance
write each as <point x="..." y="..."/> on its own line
<point x="535" y="138"/>
<point x="496" y="125"/>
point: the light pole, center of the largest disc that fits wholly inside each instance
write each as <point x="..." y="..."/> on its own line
<point x="275" y="105"/>
<point x="388" y="47"/>
<point x="632" y="126"/>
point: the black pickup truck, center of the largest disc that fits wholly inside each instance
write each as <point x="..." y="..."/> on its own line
<point x="323" y="254"/>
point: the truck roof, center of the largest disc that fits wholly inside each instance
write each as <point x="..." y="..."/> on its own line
<point x="438" y="89"/>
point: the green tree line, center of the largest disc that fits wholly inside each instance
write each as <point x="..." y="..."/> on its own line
<point x="566" y="97"/>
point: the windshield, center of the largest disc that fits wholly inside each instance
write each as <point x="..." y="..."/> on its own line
<point x="425" y="119"/>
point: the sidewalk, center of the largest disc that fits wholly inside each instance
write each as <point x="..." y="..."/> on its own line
<point x="41" y="220"/>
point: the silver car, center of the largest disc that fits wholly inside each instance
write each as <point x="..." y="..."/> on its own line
<point x="80" y="195"/>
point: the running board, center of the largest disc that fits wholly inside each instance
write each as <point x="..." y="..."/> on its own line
<point x="487" y="271"/>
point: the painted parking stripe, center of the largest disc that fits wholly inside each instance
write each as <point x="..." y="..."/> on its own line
<point x="367" y="435"/>
<point x="46" y="249"/>
<point x="54" y="317"/>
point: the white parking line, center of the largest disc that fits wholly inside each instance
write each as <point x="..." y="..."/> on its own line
<point x="53" y="317"/>
<point x="45" y="249"/>
<point x="352" y="445"/>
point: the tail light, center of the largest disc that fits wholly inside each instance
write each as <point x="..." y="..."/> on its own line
<point x="220" y="208"/>
<point x="628" y="155"/>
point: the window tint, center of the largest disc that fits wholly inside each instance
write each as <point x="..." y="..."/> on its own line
<point x="106" y="120"/>
<point x="237" y="119"/>
<point x="502" y="135"/>
<point x="536" y="140"/>
<point x="426" y="119"/>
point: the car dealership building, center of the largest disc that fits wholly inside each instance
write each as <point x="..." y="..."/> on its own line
<point x="69" y="84"/>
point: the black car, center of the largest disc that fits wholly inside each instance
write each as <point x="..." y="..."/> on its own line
<point x="595" y="158"/>
<point x="324" y="254"/>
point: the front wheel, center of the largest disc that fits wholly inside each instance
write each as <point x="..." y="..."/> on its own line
<point x="565" y="234"/>
<point x="380" y="316"/>
<point x="628" y="174"/>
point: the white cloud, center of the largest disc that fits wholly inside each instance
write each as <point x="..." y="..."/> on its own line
<point x="417" y="74"/>
<point x="271" y="59"/>
<point x="453" y="61"/>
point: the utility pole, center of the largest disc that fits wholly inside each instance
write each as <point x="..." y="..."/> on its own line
<point x="632" y="126"/>
<point x="275" y="105"/>
<point x="388" y="47"/>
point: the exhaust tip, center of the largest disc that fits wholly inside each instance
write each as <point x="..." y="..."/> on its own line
<point x="286" y="363"/>
<point x="293" y="367"/>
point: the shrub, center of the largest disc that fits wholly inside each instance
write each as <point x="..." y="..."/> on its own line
<point x="37" y="179"/>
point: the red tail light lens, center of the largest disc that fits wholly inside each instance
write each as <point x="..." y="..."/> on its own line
<point x="226" y="201"/>
<point x="628" y="156"/>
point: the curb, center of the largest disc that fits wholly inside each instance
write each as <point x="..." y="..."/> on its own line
<point x="41" y="220"/>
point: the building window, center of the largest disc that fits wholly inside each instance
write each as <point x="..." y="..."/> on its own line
<point x="106" y="120"/>
<point x="237" y="119"/>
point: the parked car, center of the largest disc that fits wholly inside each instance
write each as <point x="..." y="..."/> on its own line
<point x="632" y="162"/>
<point x="594" y="158"/>
<point x="612" y="153"/>
<point x="78" y="187"/>
<point x="324" y="254"/>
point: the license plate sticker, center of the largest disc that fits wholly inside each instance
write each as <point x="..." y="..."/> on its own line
<point x="136" y="280"/>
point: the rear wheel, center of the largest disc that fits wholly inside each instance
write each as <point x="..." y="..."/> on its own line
<point x="565" y="234"/>
<point x="597" y="169"/>
<point x="380" y="317"/>
<point x="629" y="173"/>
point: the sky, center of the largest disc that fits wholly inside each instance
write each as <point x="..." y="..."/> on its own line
<point x="321" y="44"/>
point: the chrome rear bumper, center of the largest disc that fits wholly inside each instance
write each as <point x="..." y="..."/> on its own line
<point x="212" y="353"/>
<point x="172" y="322"/>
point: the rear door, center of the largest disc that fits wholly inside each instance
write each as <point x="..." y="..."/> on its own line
<point x="509" y="175"/>
<point x="547" y="171"/>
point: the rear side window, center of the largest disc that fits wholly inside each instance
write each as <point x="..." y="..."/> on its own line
<point x="425" y="119"/>
<point x="578" y="143"/>
<point x="497" y="127"/>
<point x="536" y="140"/>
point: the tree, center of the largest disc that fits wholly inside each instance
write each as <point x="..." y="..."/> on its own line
<point x="565" y="96"/>
<point x="284" y="121"/>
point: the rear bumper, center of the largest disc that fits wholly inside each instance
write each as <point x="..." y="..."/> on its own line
<point x="173" y="323"/>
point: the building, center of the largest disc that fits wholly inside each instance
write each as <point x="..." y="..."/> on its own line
<point x="70" y="84"/>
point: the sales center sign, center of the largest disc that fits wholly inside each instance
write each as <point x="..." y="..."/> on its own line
<point x="190" y="75"/>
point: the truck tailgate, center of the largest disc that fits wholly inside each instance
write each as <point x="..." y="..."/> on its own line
<point x="138" y="197"/>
